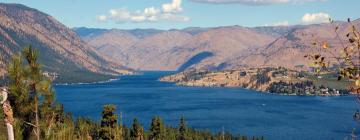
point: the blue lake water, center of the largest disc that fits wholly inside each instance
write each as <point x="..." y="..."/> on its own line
<point x="237" y="110"/>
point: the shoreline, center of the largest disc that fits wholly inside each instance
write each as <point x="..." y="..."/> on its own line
<point x="279" y="81"/>
<point x="98" y="82"/>
<point x="204" y="86"/>
<point x="84" y="83"/>
<point x="261" y="91"/>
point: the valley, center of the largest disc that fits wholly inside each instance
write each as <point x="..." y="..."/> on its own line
<point x="81" y="52"/>
<point x="179" y="70"/>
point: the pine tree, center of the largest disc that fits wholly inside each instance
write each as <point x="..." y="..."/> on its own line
<point x="27" y="85"/>
<point x="109" y="119"/>
<point x="19" y="95"/>
<point x="137" y="131"/>
<point x="34" y="79"/>
<point x="156" y="129"/>
<point x="182" y="129"/>
<point x="108" y="122"/>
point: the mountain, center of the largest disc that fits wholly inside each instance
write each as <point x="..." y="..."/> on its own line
<point x="61" y="50"/>
<point x="228" y="47"/>
<point x="93" y="32"/>
<point x="178" y="49"/>
<point x="289" y="49"/>
<point x="276" y="31"/>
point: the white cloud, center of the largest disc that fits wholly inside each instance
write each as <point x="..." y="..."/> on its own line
<point x="314" y="18"/>
<point x="119" y="15"/>
<point x="169" y="12"/>
<point x="174" y="7"/>
<point x="114" y="12"/>
<point x="101" y="18"/>
<point x="253" y="2"/>
<point x="308" y="18"/>
<point x="151" y="11"/>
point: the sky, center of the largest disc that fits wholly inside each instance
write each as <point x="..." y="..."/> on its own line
<point x="178" y="14"/>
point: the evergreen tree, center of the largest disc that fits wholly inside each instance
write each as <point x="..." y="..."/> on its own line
<point x="182" y="129"/>
<point x="109" y="119"/>
<point x="156" y="129"/>
<point x="108" y="122"/>
<point x="19" y="97"/>
<point x="27" y="85"/>
<point x="137" y="131"/>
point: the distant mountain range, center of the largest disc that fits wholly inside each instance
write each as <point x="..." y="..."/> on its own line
<point x="217" y="48"/>
<point x="62" y="51"/>
<point x="150" y="49"/>
<point x="83" y="53"/>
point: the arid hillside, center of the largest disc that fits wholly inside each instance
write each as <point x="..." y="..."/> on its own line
<point x="289" y="49"/>
<point x="178" y="49"/>
<point x="229" y="47"/>
<point x="62" y="51"/>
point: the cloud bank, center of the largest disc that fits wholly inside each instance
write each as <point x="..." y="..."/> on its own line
<point x="168" y="12"/>
<point x="253" y="2"/>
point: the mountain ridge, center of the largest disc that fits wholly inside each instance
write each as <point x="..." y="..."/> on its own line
<point x="62" y="51"/>
<point x="231" y="47"/>
<point x="176" y="42"/>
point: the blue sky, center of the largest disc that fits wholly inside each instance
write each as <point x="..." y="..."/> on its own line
<point x="167" y="14"/>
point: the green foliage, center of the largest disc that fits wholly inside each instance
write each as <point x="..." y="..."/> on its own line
<point x="108" y="122"/>
<point x="157" y="129"/>
<point x="19" y="97"/>
<point x="27" y="85"/>
<point x="182" y="129"/>
<point x="304" y="88"/>
<point x="109" y="119"/>
<point x="137" y="131"/>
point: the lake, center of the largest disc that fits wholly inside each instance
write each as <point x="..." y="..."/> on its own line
<point x="238" y="110"/>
